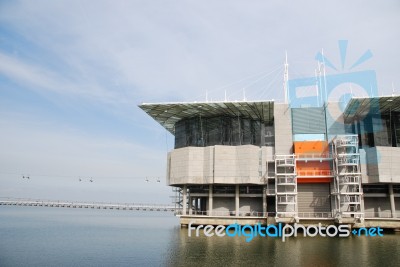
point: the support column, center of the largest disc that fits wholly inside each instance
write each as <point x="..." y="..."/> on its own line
<point x="237" y="207"/>
<point x="265" y="201"/>
<point x="184" y="199"/>
<point x="190" y="205"/>
<point x="210" y="199"/>
<point x="392" y="205"/>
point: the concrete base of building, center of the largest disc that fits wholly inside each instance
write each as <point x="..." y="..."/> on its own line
<point x="386" y="223"/>
<point x="223" y="220"/>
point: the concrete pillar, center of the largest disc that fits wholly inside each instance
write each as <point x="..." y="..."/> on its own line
<point x="210" y="199"/>
<point x="190" y="205"/>
<point x="184" y="199"/>
<point x="392" y="205"/>
<point x="265" y="200"/>
<point x="237" y="207"/>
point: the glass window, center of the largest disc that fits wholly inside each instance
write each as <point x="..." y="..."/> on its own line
<point x="222" y="130"/>
<point x="396" y="120"/>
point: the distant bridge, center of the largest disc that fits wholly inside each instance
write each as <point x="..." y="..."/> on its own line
<point x="87" y="205"/>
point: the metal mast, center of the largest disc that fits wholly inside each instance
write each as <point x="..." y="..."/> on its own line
<point x="286" y="79"/>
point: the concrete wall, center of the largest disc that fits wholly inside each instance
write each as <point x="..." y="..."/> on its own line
<point x="238" y="164"/>
<point x="283" y="129"/>
<point x="377" y="205"/>
<point x="268" y="153"/>
<point x="334" y="120"/>
<point x="223" y="204"/>
<point x="190" y="165"/>
<point x="397" y="205"/>
<point x="383" y="164"/>
<point x="250" y="204"/>
<point x="218" y="164"/>
<point x="364" y="166"/>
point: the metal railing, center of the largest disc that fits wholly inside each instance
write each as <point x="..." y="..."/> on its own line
<point x="344" y="172"/>
<point x="314" y="214"/>
<point x="227" y="213"/>
<point x="325" y="155"/>
<point x="349" y="180"/>
<point x="270" y="191"/>
<point x="348" y="160"/>
<point x="286" y="214"/>
<point x="286" y="180"/>
<point x="346" y="140"/>
<point x="380" y="214"/>
<point x="346" y="199"/>
<point x="350" y="189"/>
<point x="315" y="173"/>
<point x="286" y="199"/>
<point x="287" y="160"/>
<point x="92" y="205"/>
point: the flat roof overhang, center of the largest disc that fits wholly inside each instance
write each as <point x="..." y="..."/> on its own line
<point x="167" y="114"/>
<point x="359" y="107"/>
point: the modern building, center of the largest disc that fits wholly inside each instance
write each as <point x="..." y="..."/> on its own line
<point x="261" y="161"/>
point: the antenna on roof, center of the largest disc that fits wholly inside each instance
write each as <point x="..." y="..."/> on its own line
<point x="225" y="97"/>
<point x="392" y="88"/>
<point x="316" y="86"/>
<point x="286" y="78"/>
<point x="324" y="73"/>
<point x="244" y="94"/>
<point x="319" y="81"/>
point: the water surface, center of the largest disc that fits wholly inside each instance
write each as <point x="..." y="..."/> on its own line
<point x="43" y="236"/>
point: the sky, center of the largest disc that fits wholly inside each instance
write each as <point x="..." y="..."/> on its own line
<point x="72" y="74"/>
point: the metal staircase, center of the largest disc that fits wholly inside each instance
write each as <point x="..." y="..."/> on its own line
<point x="177" y="199"/>
<point x="285" y="186"/>
<point x="347" y="182"/>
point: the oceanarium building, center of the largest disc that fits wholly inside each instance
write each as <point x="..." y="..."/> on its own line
<point x="261" y="161"/>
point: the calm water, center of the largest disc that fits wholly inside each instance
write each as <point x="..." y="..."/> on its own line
<point x="40" y="236"/>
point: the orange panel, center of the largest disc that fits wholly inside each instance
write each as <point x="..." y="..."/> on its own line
<point x="312" y="168"/>
<point x="313" y="180"/>
<point x="311" y="147"/>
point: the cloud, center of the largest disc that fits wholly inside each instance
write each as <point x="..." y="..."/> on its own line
<point x="149" y="51"/>
<point x="41" y="79"/>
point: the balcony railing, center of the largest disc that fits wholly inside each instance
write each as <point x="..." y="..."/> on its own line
<point x="380" y="214"/>
<point x="227" y="213"/>
<point x="346" y="199"/>
<point x="286" y="180"/>
<point x="286" y="199"/>
<point x="348" y="160"/>
<point x="270" y="191"/>
<point x="285" y="162"/>
<point x="315" y="214"/>
<point x="317" y="173"/>
<point x="286" y="214"/>
<point x="349" y="180"/>
<point x="346" y="140"/>
<point x="314" y="156"/>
